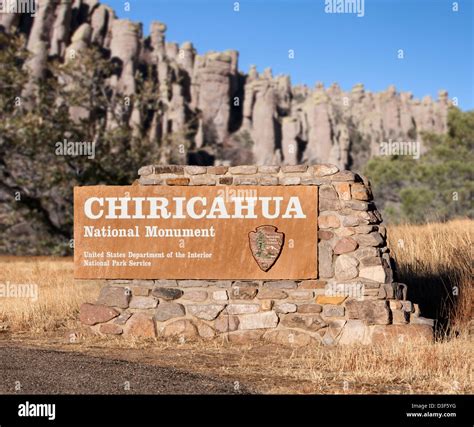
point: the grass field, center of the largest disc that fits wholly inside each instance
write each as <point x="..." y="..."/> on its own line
<point x="434" y="260"/>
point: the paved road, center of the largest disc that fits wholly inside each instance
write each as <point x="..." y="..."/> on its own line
<point x="56" y="372"/>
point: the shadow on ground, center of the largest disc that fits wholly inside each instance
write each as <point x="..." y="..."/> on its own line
<point x="437" y="295"/>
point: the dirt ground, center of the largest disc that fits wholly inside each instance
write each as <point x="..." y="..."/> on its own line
<point x="41" y="371"/>
<point x="54" y="364"/>
<point x="208" y="367"/>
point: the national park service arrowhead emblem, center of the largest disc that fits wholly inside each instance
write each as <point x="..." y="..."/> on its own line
<point x="266" y="244"/>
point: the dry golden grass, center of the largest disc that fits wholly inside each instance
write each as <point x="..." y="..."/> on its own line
<point x="59" y="297"/>
<point x="432" y="259"/>
<point x="435" y="261"/>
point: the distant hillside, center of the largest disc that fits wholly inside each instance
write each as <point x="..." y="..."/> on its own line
<point x="227" y="116"/>
<point x="85" y="99"/>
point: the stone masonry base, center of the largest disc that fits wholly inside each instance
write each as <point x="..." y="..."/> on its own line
<point x="355" y="299"/>
<point x="284" y="312"/>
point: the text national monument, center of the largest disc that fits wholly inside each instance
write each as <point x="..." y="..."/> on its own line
<point x="292" y="255"/>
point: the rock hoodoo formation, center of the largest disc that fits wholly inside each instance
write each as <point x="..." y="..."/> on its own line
<point x="233" y="117"/>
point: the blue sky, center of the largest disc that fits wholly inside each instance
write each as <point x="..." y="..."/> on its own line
<point x="437" y="42"/>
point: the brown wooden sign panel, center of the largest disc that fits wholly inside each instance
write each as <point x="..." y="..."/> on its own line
<point x="205" y="232"/>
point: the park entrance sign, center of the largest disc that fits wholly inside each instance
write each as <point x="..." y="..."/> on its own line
<point x="295" y="255"/>
<point x="203" y="232"/>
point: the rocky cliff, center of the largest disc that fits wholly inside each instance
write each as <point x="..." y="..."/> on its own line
<point x="232" y="117"/>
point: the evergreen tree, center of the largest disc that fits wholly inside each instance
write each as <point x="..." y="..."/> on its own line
<point x="436" y="187"/>
<point x="36" y="181"/>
